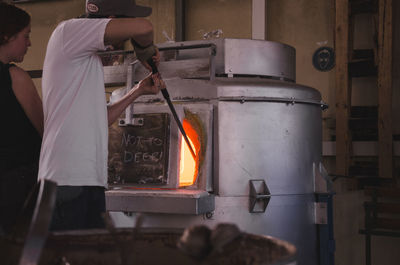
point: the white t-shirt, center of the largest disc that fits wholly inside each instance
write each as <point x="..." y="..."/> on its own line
<point x="75" y="141"/>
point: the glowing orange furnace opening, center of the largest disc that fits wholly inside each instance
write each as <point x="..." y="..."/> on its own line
<point x="188" y="164"/>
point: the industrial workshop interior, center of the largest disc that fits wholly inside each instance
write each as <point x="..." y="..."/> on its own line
<point x="278" y="143"/>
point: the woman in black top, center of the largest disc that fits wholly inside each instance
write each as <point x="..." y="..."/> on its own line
<point x="21" y="116"/>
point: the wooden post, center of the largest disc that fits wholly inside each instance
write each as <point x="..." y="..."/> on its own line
<point x="385" y="89"/>
<point x="343" y="87"/>
<point x="180" y="20"/>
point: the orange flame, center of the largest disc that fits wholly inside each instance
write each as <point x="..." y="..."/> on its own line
<point x="189" y="165"/>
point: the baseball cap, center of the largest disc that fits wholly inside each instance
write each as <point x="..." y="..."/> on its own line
<point x="125" y="8"/>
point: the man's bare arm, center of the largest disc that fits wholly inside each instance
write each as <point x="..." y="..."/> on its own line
<point x="122" y="29"/>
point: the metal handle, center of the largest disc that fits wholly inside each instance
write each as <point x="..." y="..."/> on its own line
<point x="174" y="46"/>
<point x="129" y="120"/>
<point x="185" y="46"/>
<point x="259" y="196"/>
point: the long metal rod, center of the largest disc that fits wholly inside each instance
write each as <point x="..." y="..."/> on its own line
<point x="165" y="93"/>
<point x="178" y="122"/>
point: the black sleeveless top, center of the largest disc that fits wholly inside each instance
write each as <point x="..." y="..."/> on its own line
<point x="19" y="140"/>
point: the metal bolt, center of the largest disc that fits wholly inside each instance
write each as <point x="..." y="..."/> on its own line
<point x="209" y="215"/>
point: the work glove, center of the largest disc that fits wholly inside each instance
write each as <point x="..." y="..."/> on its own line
<point x="143" y="54"/>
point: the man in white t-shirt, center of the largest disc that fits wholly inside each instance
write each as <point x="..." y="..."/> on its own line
<point x="75" y="141"/>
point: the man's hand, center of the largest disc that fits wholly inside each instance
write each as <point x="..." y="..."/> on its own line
<point x="151" y="85"/>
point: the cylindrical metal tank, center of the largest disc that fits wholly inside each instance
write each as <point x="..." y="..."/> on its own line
<point x="265" y="144"/>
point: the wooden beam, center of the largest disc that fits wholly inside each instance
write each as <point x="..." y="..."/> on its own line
<point x="180" y="18"/>
<point x="343" y="87"/>
<point x="258" y="20"/>
<point x="384" y="207"/>
<point x="385" y="131"/>
<point x="388" y="193"/>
